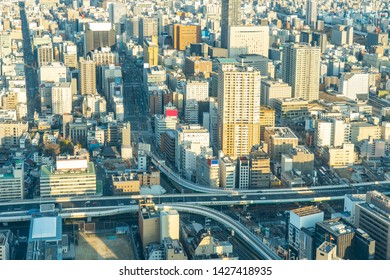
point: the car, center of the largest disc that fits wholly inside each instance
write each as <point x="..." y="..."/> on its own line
<point x="263" y="198"/>
<point x="244" y="196"/>
<point x="214" y="198"/>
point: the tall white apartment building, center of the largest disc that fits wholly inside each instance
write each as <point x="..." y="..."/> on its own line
<point x="332" y="133"/>
<point x="61" y="98"/>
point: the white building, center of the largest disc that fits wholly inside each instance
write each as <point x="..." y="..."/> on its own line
<point x="61" y="98"/>
<point x="271" y="90"/>
<point x="12" y="181"/>
<point x="341" y="157"/>
<point x="196" y="90"/>
<point x="227" y="169"/>
<point x="169" y="224"/>
<point x="248" y="40"/>
<point x="94" y="104"/>
<point x="332" y="133"/>
<point x="163" y="124"/>
<point x="54" y="72"/>
<point x="353" y="84"/>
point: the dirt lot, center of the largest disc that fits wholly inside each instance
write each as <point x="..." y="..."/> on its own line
<point x="104" y="247"/>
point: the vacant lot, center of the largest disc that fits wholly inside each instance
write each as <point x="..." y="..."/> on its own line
<point x="104" y="247"/>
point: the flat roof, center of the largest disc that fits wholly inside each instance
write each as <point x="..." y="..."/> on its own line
<point x="44" y="227"/>
<point x="306" y="211"/>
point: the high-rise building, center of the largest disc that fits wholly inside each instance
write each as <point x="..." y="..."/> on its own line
<point x="184" y="35"/>
<point x="10" y="132"/>
<point x="99" y="35"/>
<point x="44" y="54"/>
<point x="147" y="27"/>
<point x="373" y="217"/>
<point x="301" y="70"/>
<point x="238" y="109"/>
<point x="61" y="98"/>
<point x="230" y="16"/>
<point x="68" y="177"/>
<point x="267" y="119"/>
<point x="117" y="12"/>
<point x="248" y="40"/>
<point x="207" y="171"/>
<point x="126" y="149"/>
<point x="87" y="76"/>
<point x="311" y="13"/>
<point x="150" y="53"/>
<point x="227" y="169"/>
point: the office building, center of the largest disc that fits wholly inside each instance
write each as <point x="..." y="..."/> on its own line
<point x="196" y="65"/>
<point x="196" y="90"/>
<point x="12" y="181"/>
<point x="150" y="53"/>
<point x="352" y="243"/>
<point x="162" y="124"/>
<point x="279" y="140"/>
<point x="148" y="223"/>
<point x="11" y="131"/>
<point x="331" y="132"/>
<point x="125" y="184"/>
<point x="173" y="249"/>
<point x="260" y="171"/>
<point x="184" y="35"/>
<point x="377" y="39"/>
<point x="94" y="105"/>
<point x="104" y="57"/>
<point x="99" y="35"/>
<point x="53" y="72"/>
<point x="169" y="225"/>
<point x="87" y="76"/>
<point x="207" y="171"/>
<point x="300" y="218"/>
<point x="267" y="119"/>
<point x="78" y="132"/>
<point x="341" y="157"/>
<point x="69" y="176"/>
<point x="291" y="109"/>
<point x="248" y="40"/>
<point x="238" y="109"/>
<point x="243" y="172"/>
<point x="311" y="13"/>
<point x="147" y="27"/>
<point x="342" y="35"/>
<point x="355" y="85"/>
<point x="61" y="98"/>
<point x="117" y="12"/>
<point x="362" y="130"/>
<point x="299" y="158"/>
<point x="230" y="16"/>
<point x="301" y="70"/>
<point x="273" y="89"/>
<point x="227" y="169"/>
<point x="373" y="218"/>
<point x="44" y="54"/>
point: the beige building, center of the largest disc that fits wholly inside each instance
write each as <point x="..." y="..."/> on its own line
<point x="267" y="119"/>
<point x="124" y="184"/>
<point x="70" y="60"/>
<point x="194" y="65"/>
<point x="362" y="130"/>
<point x="10" y="132"/>
<point x="278" y="141"/>
<point x="87" y="76"/>
<point x="45" y="54"/>
<point x="260" y="170"/>
<point x="248" y="40"/>
<point x="238" y="109"/>
<point x="301" y="70"/>
<point x="104" y="57"/>
<point x="149" y="224"/>
<point x="341" y="157"/>
<point x="272" y="89"/>
<point x="299" y="158"/>
<point x="291" y="108"/>
<point x="151" y="53"/>
<point x="327" y="252"/>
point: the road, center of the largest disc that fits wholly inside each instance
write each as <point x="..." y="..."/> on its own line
<point x="29" y="67"/>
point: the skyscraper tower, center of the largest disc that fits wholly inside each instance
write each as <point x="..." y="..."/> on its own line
<point x="231" y="16"/>
<point x="87" y="76"/>
<point x="301" y="70"/>
<point x="311" y="13"/>
<point x="238" y="109"/>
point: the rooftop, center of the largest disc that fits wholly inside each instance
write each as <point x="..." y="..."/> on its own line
<point x="306" y="211"/>
<point x="326" y="247"/>
<point x="280" y="132"/>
